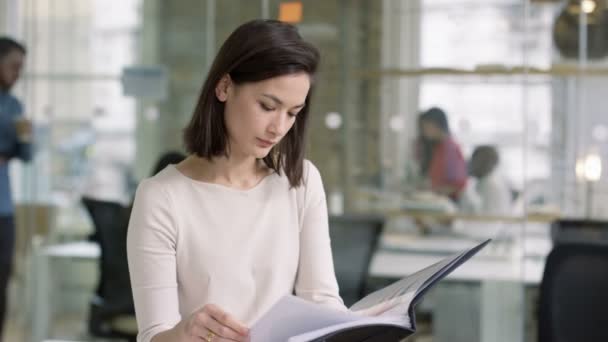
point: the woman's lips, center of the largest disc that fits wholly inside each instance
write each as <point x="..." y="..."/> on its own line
<point x="265" y="143"/>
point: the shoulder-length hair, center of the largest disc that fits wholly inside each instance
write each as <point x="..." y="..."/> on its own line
<point x="437" y="117"/>
<point x="255" y="51"/>
<point x="7" y="45"/>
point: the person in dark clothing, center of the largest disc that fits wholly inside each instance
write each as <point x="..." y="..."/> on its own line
<point x="15" y="142"/>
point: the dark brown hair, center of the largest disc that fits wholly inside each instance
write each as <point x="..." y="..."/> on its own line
<point x="484" y="160"/>
<point x="7" y="45"/>
<point x="255" y="51"/>
<point x="437" y="117"/>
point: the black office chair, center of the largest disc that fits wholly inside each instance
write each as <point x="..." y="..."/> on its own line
<point x="353" y="240"/>
<point x="573" y="294"/>
<point x="112" y="312"/>
<point x="572" y="230"/>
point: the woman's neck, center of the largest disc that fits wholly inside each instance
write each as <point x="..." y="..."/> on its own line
<point x="240" y="173"/>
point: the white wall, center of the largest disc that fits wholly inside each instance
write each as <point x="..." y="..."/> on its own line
<point x="9" y="14"/>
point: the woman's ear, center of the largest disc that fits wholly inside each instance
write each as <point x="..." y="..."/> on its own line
<point x="221" y="90"/>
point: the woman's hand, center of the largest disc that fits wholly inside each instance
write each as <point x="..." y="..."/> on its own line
<point x="212" y="324"/>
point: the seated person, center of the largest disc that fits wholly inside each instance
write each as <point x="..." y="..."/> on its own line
<point x="440" y="156"/>
<point x="490" y="195"/>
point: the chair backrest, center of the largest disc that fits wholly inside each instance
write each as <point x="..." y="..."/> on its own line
<point x="574" y="294"/>
<point x="353" y="241"/>
<point x="110" y="221"/>
<point x="579" y="231"/>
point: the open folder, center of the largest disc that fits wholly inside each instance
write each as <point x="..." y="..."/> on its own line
<point x="383" y="316"/>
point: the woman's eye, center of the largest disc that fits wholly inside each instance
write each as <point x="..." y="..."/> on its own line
<point x="293" y="115"/>
<point x="265" y="107"/>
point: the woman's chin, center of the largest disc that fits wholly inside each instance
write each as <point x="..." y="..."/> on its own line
<point x="260" y="153"/>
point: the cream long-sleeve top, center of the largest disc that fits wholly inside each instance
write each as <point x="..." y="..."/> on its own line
<point x="191" y="243"/>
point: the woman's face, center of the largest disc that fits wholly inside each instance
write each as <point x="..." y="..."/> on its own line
<point x="10" y="69"/>
<point x="258" y="115"/>
<point x="431" y="131"/>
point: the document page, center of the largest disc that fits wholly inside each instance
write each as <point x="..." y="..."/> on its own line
<point x="294" y="316"/>
<point x="387" y="310"/>
<point x="401" y="292"/>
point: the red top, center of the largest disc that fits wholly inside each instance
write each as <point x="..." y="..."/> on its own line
<point x="448" y="168"/>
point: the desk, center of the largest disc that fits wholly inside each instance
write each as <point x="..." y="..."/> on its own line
<point x="489" y="285"/>
<point x="422" y="205"/>
<point x="43" y="257"/>
<point x="420" y="214"/>
<point x="389" y="264"/>
<point x="401" y="255"/>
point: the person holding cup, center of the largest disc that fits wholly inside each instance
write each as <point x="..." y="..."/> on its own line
<point x="15" y="142"/>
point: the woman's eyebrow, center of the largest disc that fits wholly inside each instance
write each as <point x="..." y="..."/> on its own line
<point x="278" y="101"/>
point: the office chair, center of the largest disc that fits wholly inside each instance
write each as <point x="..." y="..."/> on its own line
<point x="112" y="312"/>
<point x="353" y="240"/>
<point x="573" y="294"/>
<point x="572" y="230"/>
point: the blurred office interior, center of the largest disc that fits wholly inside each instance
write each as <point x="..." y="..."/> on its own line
<point x="110" y="84"/>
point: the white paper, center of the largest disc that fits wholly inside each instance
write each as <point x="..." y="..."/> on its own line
<point x="293" y="316"/>
<point x="296" y="320"/>
<point x="404" y="290"/>
<point x="397" y="306"/>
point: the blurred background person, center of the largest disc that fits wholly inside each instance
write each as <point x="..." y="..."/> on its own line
<point x="489" y="194"/>
<point x="15" y="142"/>
<point x="440" y="157"/>
<point x="423" y="152"/>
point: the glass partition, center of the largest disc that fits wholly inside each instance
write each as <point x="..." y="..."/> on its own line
<point x="521" y="84"/>
<point x="83" y="145"/>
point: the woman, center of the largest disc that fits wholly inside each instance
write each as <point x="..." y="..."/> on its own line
<point x="216" y="240"/>
<point x="447" y="170"/>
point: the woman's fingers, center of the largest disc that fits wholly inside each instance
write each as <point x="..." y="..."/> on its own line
<point x="226" y="320"/>
<point x="214" y="324"/>
<point x="203" y="335"/>
<point x="221" y="331"/>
